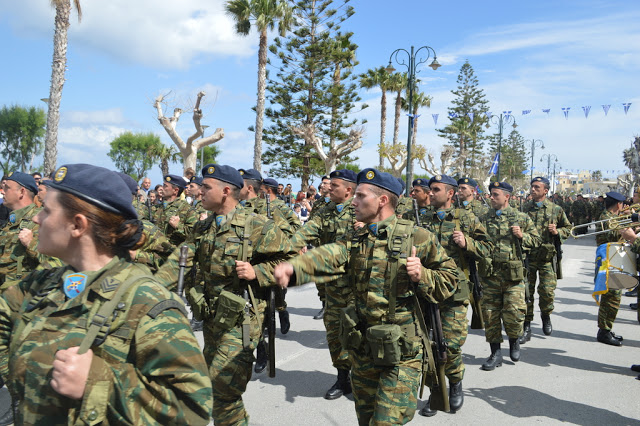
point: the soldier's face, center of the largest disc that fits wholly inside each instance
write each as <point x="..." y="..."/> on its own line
<point x="12" y="193"/>
<point x="55" y="227"/>
<point x="499" y="199"/>
<point x="338" y="191"/>
<point x="538" y="191"/>
<point x="421" y="195"/>
<point x="169" y="191"/>
<point x="194" y="190"/>
<point x="366" y="204"/>
<point x="440" y="196"/>
<point x="465" y="192"/>
<point x="325" y="187"/>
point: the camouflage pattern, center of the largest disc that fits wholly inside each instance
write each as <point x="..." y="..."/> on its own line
<point x="148" y="370"/>
<point x="196" y="206"/>
<point x="503" y="301"/>
<point x="179" y="208"/>
<point x="258" y="205"/>
<point x="453" y="311"/>
<point x="145" y="211"/>
<point x="405" y="204"/>
<point x="539" y="267"/>
<point x="287" y="213"/>
<point x="610" y="301"/>
<point x="580" y="212"/>
<point x="424" y="212"/>
<point x="327" y="227"/>
<point x="477" y="207"/>
<point x="318" y="205"/>
<point x="215" y="249"/>
<point x="378" y="397"/>
<point x="156" y="249"/>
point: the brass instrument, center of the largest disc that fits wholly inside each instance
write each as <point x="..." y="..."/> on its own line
<point x="627" y="219"/>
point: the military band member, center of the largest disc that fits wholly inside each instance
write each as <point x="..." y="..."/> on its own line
<point x="388" y="261"/>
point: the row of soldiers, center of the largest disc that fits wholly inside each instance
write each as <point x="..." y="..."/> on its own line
<point x="378" y="275"/>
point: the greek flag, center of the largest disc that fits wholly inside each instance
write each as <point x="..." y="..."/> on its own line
<point x="494" y="166"/>
<point x="600" y="286"/>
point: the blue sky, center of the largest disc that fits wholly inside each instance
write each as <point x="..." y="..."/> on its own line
<point x="527" y="56"/>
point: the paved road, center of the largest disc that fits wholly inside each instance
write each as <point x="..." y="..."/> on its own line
<point x="566" y="377"/>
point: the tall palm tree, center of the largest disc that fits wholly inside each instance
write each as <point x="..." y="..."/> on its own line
<point x="264" y="14"/>
<point x="398" y="83"/>
<point x="63" y="11"/>
<point x="378" y="77"/>
<point x="165" y="155"/>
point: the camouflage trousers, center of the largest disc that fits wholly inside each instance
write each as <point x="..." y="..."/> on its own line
<point x="230" y="368"/>
<point x="336" y="299"/>
<point x="546" y="287"/>
<point x="503" y="303"/>
<point x="455" y="326"/>
<point x="385" y="395"/>
<point x="609" y="305"/>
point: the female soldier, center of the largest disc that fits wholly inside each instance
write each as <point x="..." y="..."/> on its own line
<point x="144" y="365"/>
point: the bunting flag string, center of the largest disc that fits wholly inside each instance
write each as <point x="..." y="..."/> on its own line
<point x="526" y="111"/>
<point x="453" y="115"/>
<point x="586" y="110"/>
<point x="546" y="110"/>
<point x="435" y="119"/>
<point x="626" y="107"/>
<point x="566" y="112"/>
<point x="606" y="109"/>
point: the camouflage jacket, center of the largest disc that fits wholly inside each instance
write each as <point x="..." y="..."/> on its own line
<point x="215" y="249"/>
<point x="145" y="211"/>
<point x="16" y="260"/>
<point x="287" y="213"/>
<point x="258" y="205"/>
<point x="405" y="204"/>
<point x="148" y="370"/>
<point x="328" y="226"/>
<point x="505" y="247"/>
<point x="478" y="244"/>
<point x="545" y="214"/>
<point x="318" y="205"/>
<point x="580" y="210"/>
<point x="424" y="213"/>
<point x="606" y="237"/>
<point x="476" y="207"/>
<point x="364" y="256"/>
<point x="196" y="206"/>
<point x="156" y="249"/>
<point x="179" y="208"/>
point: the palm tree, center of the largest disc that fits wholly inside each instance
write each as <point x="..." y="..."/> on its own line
<point x="398" y="83"/>
<point x="378" y="77"/>
<point x="264" y="14"/>
<point x="165" y="155"/>
<point x="63" y="11"/>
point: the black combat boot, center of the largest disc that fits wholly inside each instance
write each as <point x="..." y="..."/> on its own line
<point x="262" y="357"/>
<point x="427" y="411"/>
<point x="6" y="418"/>
<point x="342" y="386"/>
<point x="633" y="306"/>
<point x="547" y="329"/>
<point x="526" y="334"/>
<point x="514" y="349"/>
<point x="495" y="360"/>
<point x="632" y="293"/>
<point x="606" y="337"/>
<point x="320" y="313"/>
<point x="285" y="325"/>
<point x="456" y="397"/>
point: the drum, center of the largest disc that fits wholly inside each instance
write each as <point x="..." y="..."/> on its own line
<point x="622" y="266"/>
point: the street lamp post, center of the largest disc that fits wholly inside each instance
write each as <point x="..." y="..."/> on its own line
<point x="535" y="143"/>
<point x="398" y="56"/>
<point x="557" y="166"/>
<point x="204" y="127"/>
<point x="549" y="157"/>
<point x="501" y="120"/>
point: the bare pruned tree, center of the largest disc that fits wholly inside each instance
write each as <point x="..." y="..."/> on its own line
<point x="336" y="151"/>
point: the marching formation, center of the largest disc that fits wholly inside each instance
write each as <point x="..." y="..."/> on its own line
<point x="95" y="273"/>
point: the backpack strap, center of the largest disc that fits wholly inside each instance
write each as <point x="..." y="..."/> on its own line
<point x="399" y="244"/>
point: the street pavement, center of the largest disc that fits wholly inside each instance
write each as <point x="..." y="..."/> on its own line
<point x="566" y="377"/>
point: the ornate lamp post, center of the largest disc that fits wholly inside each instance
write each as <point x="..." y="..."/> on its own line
<point x="550" y="158"/>
<point x="500" y="121"/>
<point x="535" y="143"/>
<point x="398" y="56"/>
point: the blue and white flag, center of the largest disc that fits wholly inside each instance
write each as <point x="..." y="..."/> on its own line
<point x="435" y="119"/>
<point x="453" y="115"/>
<point x="606" y="109"/>
<point x="507" y="114"/>
<point x="601" y="272"/>
<point x="546" y="110"/>
<point x="526" y="111"/>
<point x="586" y="110"/>
<point x="626" y="107"/>
<point x="494" y="166"/>
<point x="566" y="112"/>
<point x="488" y="114"/>
<point x="470" y="115"/>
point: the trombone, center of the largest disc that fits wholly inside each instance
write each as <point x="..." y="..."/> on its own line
<point x="629" y="219"/>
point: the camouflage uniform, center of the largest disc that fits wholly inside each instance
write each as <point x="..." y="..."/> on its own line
<point x="148" y="370"/>
<point x="541" y="258"/>
<point x="504" y="298"/>
<point x="287" y="213"/>
<point x="216" y="248"/>
<point x="424" y="212"/>
<point x="196" y="206"/>
<point x="327" y="227"/>
<point x="477" y="207"/>
<point x="453" y="311"/>
<point x="383" y="395"/>
<point x="156" y="249"/>
<point x="178" y="208"/>
<point x="609" y="301"/>
<point x="581" y="212"/>
<point x="145" y="211"/>
<point x="405" y="204"/>
<point x="318" y="205"/>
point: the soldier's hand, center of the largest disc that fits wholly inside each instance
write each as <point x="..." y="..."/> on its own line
<point x="414" y="266"/>
<point x="553" y="229"/>
<point x="516" y="231"/>
<point x="25" y="236"/>
<point x="245" y="270"/>
<point x="174" y="221"/>
<point x="303" y="250"/>
<point x="628" y="234"/>
<point x="358" y="225"/>
<point x="70" y="372"/>
<point x="203" y="215"/>
<point x="283" y="274"/>
<point x="459" y="239"/>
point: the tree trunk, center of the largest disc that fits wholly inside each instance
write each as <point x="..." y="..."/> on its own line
<point x="262" y="78"/>
<point x="383" y="126"/>
<point x="63" y="11"/>
<point x="396" y="125"/>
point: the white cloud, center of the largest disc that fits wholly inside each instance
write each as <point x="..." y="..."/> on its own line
<point x="108" y="116"/>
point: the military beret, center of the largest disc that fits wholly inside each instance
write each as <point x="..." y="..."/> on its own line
<point x="421" y="182"/>
<point x="25" y="180"/>
<point x="541" y="179"/>
<point x="401" y="181"/>
<point x="270" y="182"/>
<point x="468" y="181"/>
<point x="380" y="179"/>
<point x="447" y="180"/>
<point x="501" y="185"/>
<point x="196" y="179"/>
<point x="96" y="185"/>
<point x="616" y="196"/>
<point x="251" y="174"/>
<point x="176" y="180"/>
<point x="132" y="184"/>
<point x="344" y="174"/>
<point x="223" y="173"/>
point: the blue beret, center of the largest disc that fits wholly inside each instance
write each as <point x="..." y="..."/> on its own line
<point x="420" y="182"/>
<point x="176" y="181"/>
<point x="616" y="196"/>
<point x="344" y="174"/>
<point x="541" y="179"/>
<point x="501" y="185"/>
<point x="132" y="184"/>
<point x="196" y="179"/>
<point x="252" y="174"/>
<point x="24" y="180"/>
<point x="270" y="182"/>
<point x="223" y="173"/>
<point x="401" y="181"/>
<point x="96" y="185"/>
<point x="468" y="181"/>
<point x="380" y="179"/>
<point x="447" y="180"/>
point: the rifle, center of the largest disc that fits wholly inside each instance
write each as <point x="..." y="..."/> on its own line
<point x="148" y="203"/>
<point x="477" y="322"/>
<point x="182" y="263"/>
<point x="416" y="212"/>
<point x="271" y="313"/>
<point x="525" y="265"/>
<point x="558" y="256"/>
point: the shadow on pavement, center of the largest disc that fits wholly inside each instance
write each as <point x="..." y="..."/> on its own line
<point x="310" y="384"/>
<point x="545" y="357"/>
<point x="304" y="312"/>
<point x="307" y="338"/>
<point x="521" y="402"/>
